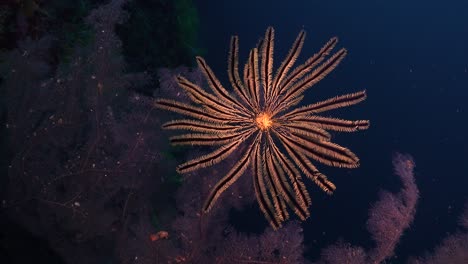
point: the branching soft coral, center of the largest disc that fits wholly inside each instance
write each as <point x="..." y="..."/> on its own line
<point x="389" y="217"/>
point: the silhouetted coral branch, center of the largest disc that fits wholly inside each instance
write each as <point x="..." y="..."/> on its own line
<point x="392" y="214"/>
<point x="389" y="217"/>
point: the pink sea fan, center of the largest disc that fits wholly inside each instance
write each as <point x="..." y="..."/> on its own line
<point x="393" y="213"/>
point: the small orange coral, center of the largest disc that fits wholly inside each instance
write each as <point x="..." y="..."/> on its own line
<point x="159" y="235"/>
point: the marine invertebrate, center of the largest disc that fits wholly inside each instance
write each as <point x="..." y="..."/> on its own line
<point x="257" y="118"/>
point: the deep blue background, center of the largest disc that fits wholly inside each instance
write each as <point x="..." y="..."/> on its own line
<point x="412" y="58"/>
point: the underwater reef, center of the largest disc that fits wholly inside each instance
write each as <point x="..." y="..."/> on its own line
<point x="87" y="174"/>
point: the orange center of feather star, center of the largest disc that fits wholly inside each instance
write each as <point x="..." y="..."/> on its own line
<point x="264" y="121"/>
